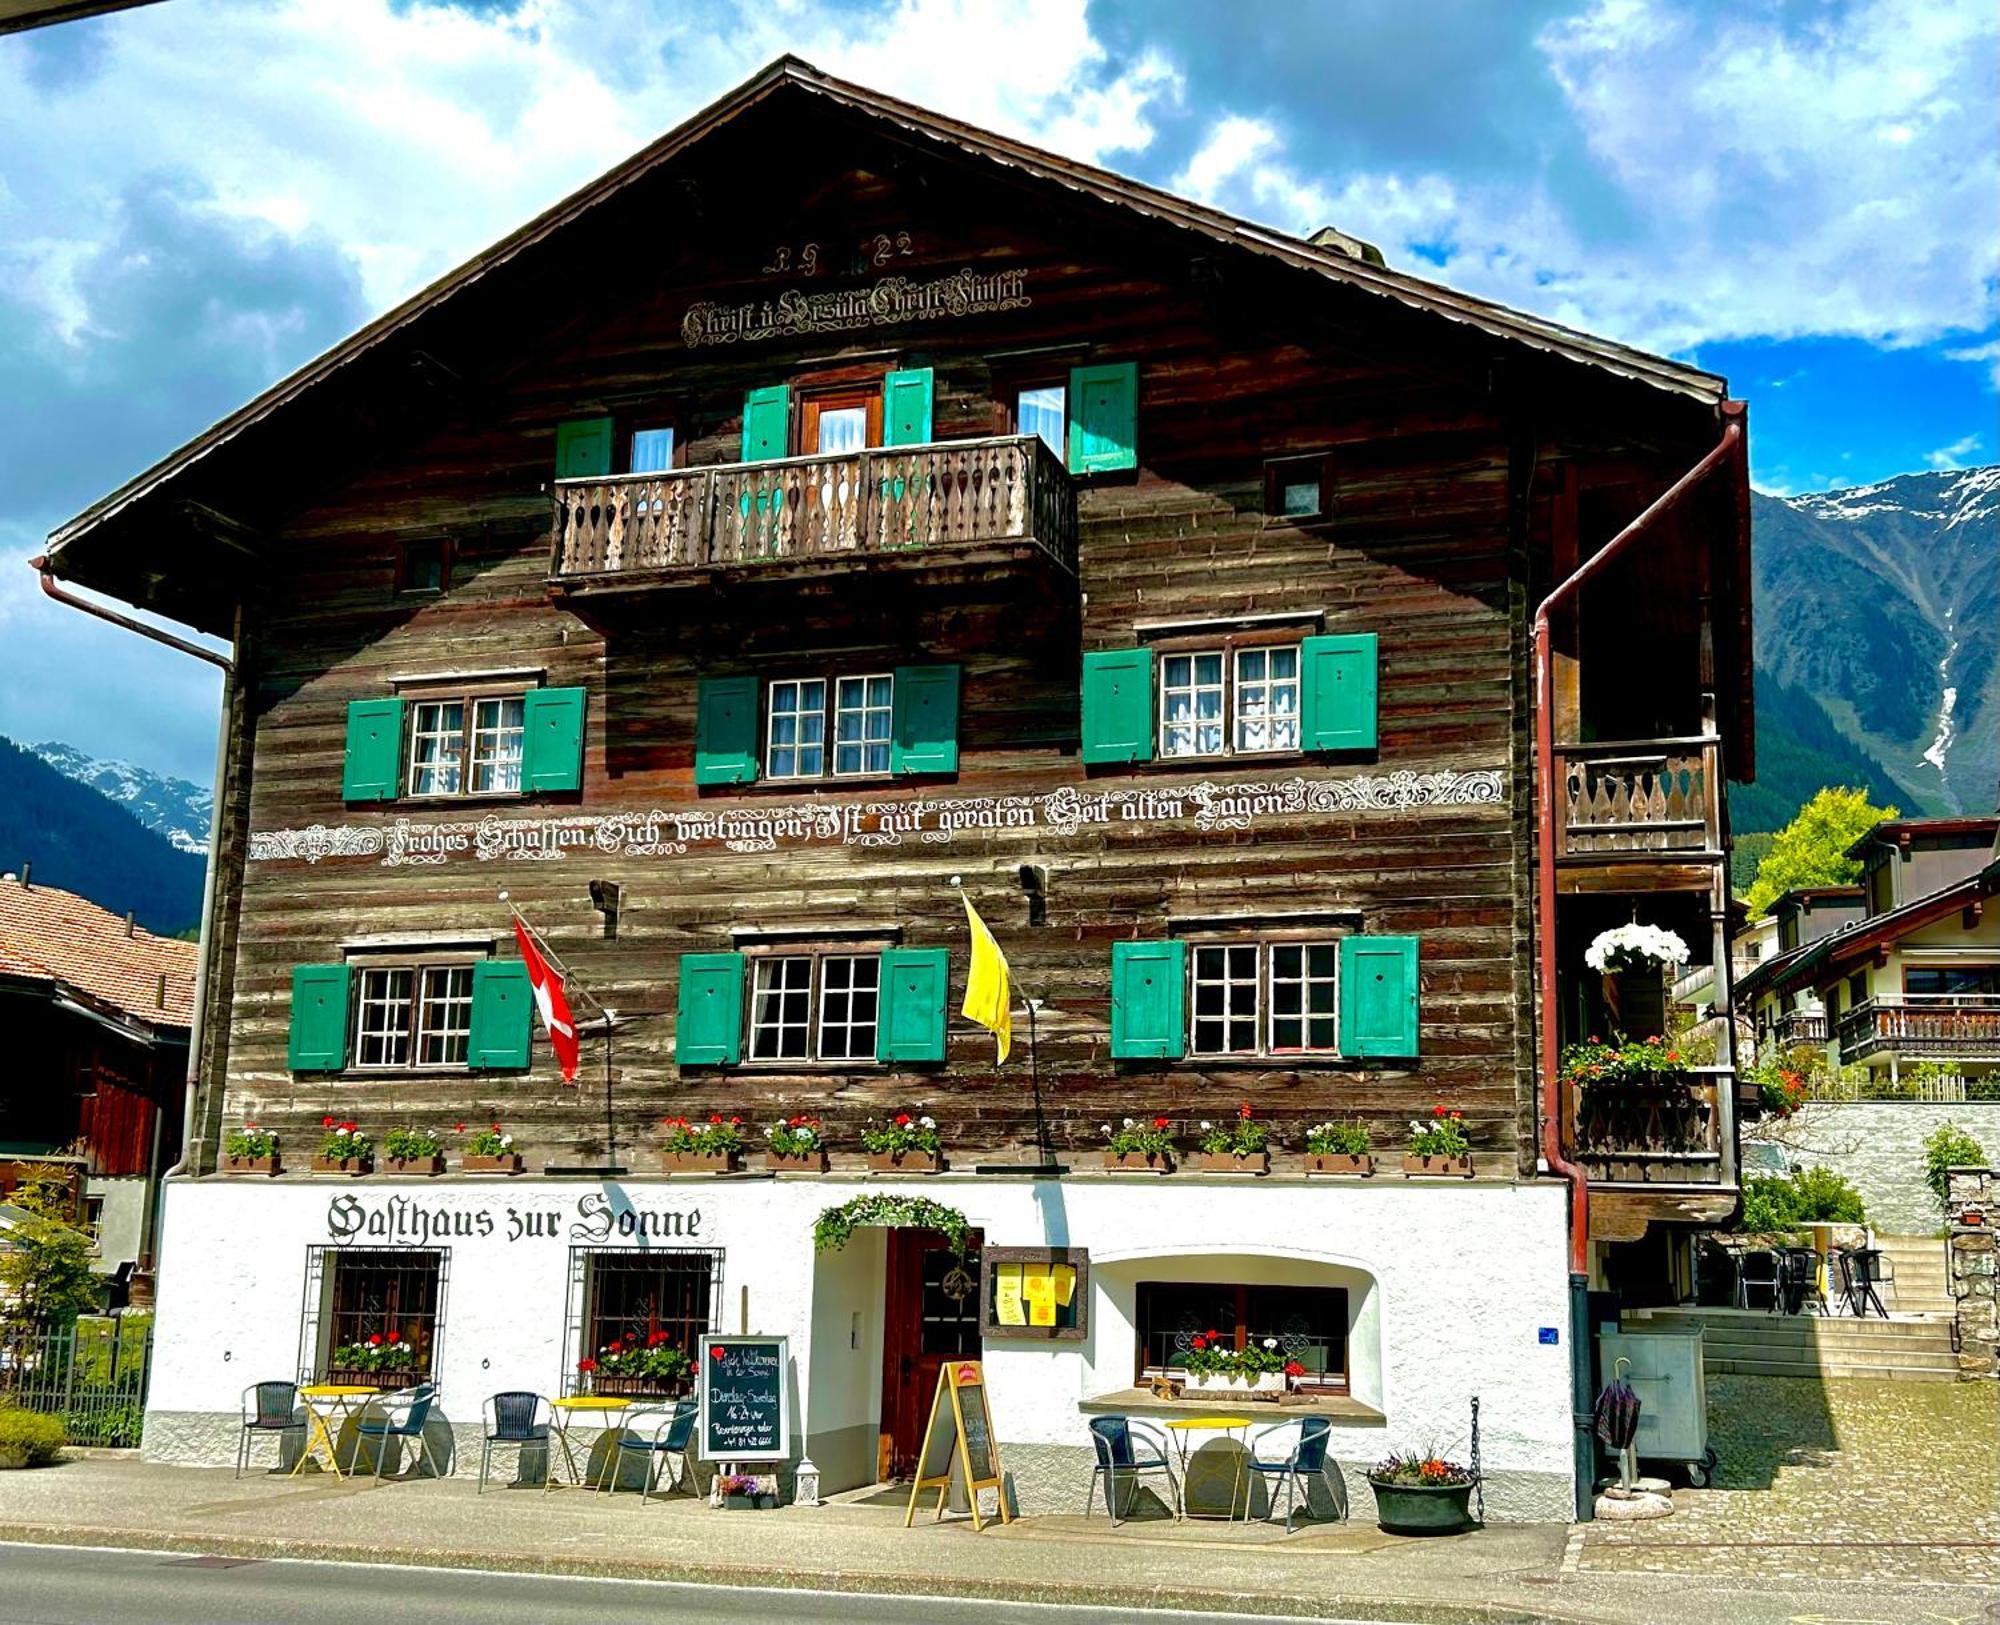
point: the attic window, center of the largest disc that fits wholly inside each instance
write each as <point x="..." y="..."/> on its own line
<point x="423" y="566"/>
<point x="1297" y="488"/>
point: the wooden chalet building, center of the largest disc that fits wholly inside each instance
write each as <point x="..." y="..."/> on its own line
<point x="718" y="567"/>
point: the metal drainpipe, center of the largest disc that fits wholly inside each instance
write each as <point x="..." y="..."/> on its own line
<point x="1585" y="1470"/>
<point x="156" y="1209"/>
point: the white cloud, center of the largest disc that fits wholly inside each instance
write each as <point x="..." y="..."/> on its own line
<point x="1987" y="354"/>
<point x="1953" y="455"/>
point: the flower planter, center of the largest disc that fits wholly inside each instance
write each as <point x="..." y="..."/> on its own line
<point x="906" y="1162"/>
<point x="350" y="1166"/>
<point x="763" y="1501"/>
<point x="1439" y="1167"/>
<point x="701" y="1162"/>
<point x="1233" y="1162"/>
<point x="1422" y="1509"/>
<point x="613" y="1387"/>
<point x="1139" y="1162"/>
<point x="796" y="1162"/>
<point x="508" y="1164"/>
<point x="1359" y="1165"/>
<point x="422" y="1167"/>
<point x="344" y="1376"/>
<point x="1263" y="1382"/>
<point x="1636" y="1001"/>
<point x="251" y="1165"/>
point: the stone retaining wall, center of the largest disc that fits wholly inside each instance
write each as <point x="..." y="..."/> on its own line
<point x="1974" y="1194"/>
<point x="1878" y="1145"/>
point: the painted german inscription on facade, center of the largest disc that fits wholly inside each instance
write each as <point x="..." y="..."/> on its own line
<point x="887" y="303"/>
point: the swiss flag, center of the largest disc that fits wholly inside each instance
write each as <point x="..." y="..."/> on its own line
<point x="556" y="1019"/>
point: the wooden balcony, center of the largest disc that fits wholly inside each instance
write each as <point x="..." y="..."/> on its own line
<point x="1642" y="806"/>
<point x="1799" y="1027"/>
<point x="1655" y="1154"/>
<point x="1922" y="1027"/>
<point x="967" y="502"/>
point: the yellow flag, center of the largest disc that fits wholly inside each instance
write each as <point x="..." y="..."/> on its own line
<point x="987" y="1000"/>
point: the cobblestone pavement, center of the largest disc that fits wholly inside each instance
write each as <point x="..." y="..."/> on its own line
<point x="1846" y="1479"/>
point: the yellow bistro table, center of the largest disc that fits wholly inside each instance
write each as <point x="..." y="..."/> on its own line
<point x="563" y="1413"/>
<point x="1228" y="1426"/>
<point x="328" y="1405"/>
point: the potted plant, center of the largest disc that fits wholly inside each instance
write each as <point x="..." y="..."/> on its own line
<point x="1634" y="1095"/>
<point x="1214" y="1365"/>
<point x="632" y="1365"/>
<point x="1635" y="962"/>
<point x="1418" y="1493"/>
<point x="714" y="1147"/>
<point x="795" y="1144"/>
<point x="367" y="1360"/>
<point x="1338" y="1148"/>
<point x="343" y="1149"/>
<point x="1239" y="1146"/>
<point x="742" y="1492"/>
<point x="489" y="1151"/>
<point x="1438" y="1145"/>
<point x="903" y="1145"/>
<point x="1142" y="1146"/>
<point x="414" y="1151"/>
<point x="250" y="1150"/>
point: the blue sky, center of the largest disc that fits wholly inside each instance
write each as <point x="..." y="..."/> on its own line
<point x="197" y="196"/>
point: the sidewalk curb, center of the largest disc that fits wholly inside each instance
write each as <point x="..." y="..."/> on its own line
<point x="1178" y="1600"/>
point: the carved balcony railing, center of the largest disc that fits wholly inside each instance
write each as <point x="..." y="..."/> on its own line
<point x="1666" y="1131"/>
<point x="899" y="502"/>
<point x="1639" y="796"/>
<point x="1922" y="1027"/>
<point x="1799" y="1027"/>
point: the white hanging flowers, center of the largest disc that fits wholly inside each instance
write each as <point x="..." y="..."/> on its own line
<point x="1635" y="947"/>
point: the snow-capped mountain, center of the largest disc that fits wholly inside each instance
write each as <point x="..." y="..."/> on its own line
<point x="176" y="808"/>
<point x="1880" y="604"/>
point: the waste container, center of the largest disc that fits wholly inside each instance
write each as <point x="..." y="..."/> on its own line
<point x="1665" y="1371"/>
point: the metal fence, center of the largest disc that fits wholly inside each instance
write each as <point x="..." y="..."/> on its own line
<point x="91" y="1373"/>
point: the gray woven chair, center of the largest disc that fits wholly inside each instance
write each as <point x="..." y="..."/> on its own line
<point x="516" y="1418"/>
<point x="267" y="1407"/>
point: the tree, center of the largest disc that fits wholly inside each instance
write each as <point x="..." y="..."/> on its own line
<point x="1949" y="1146"/>
<point x="1812" y="849"/>
<point x="46" y="1272"/>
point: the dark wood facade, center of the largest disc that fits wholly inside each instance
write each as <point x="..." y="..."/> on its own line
<point x="1464" y="468"/>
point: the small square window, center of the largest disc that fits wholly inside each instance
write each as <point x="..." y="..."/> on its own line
<point x="423" y="565"/>
<point x="652" y="451"/>
<point x="1296" y="488"/>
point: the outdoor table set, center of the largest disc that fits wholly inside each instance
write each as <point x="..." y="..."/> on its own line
<point x="1796" y="1278"/>
<point x="1129" y="1447"/>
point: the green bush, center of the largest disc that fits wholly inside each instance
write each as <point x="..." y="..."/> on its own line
<point x="1949" y="1146"/>
<point x="28" y="1433"/>
<point x="1814" y="1195"/>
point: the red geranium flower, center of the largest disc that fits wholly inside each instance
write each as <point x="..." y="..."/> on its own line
<point x="1437" y="1111"/>
<point x="586" y="1364"/>
<point x="736" y="1122"/>
<point x="1159" y="1122"/>
<point x="1294" y="1369"/>
<point x="458" y="1128"/>
<point x="350" y="1127"/>
<point x="374" y="1340"/>
<point x="326" y="1122"/>
<point x="1200" y="1342"/>
<point x="902" y="1119"/>
<point x="1243" y="1111"/>
<point x="395" y="1337"/>
<point x="715" y="1117"/>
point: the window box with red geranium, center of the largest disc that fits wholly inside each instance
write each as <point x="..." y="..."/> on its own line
<point x="905" y="1144"/>
<point x="414" y="1151"/>
<point x="1143" y="1145"/>
<point x="1240" y="1145"/>
<point x="632" y="1365"/>
<point x="1438" y="1145"/>
<point x="714" y="1147"/>
<point x="1215" y="1365"/>
<point x="489" y="1151"/>
<point x="1338" y="1148"/>
<point x="343" y="1149"/>
<point x="380" y="1360"/>
<point x="795" y="1145"/>
<point x="250" y="1150"/>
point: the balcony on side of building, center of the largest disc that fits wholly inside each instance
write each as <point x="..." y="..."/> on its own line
<point x="963" y="502"/>
<point x="1639" y="801"/>
<point x="1922" y="1027"/>
<point x="1652" y="1135"/>
<point x="1791" y="1027"/>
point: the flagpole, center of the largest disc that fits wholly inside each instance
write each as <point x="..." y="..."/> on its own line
<point x="1046" y="1164"/>
<point x="609" y="1023"/>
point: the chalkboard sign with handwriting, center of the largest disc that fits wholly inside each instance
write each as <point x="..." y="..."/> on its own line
<point x="959" y="1434"/>
<point x="745" y="1389"/>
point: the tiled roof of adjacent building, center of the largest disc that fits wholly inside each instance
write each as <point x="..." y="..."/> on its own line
<point x="47" y="934"/>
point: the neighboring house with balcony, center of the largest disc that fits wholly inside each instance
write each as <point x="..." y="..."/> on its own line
<point x="1797" y="919"/>
<point x="834" y="503"/>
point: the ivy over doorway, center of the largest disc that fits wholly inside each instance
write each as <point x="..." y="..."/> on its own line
<point x="835" y="1225"/>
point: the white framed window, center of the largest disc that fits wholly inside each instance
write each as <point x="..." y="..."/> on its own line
<point x="795" y="729"/>
<point x="849" y="1002"/>
<point x="496" y="744"/>
<point x="842" y="429"/>
<point x="1267" y="698"/>
<point x="1264" y="998"/>
<point x="437" y="748"/>
<point x="467" y="744"/>
<point x="781" y="1008"/>
<point x="820" y="1006"/>
<point x="1191" y="703"/>
<point x="1044" y="412"/>
<point x="863" y="715"/>
<point x="413" y="1014"/>
<point x="444" y="1016"/>
<point x="382" y="1025"/>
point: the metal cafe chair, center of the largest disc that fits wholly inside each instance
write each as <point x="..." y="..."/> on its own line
<point x="663" y="1437"/>
<point x="516" y="1418"/>
<point x="1306" y="1459"/>
<point x="1883" y="1273"/>
<point x="400" y="1415"/>
<point x="1757" y="1268"/>
<point x="275" y="1409"/>
<point x="1125" y="1445"/>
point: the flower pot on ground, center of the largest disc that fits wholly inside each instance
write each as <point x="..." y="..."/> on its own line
<point x="905" y="1144"/>
<point x="1239" y="1145"/>
<point x="1438" y="1145"/>
<point x="1338" y="1148"/>
<point x="632" y="1364"/>
<point x="714" y="1147"/>
<point x="1421" y="1495"/>
<point x="249" y="1150"/>
<point x="489" y="1151"/>
<point x="1141" y="1145"/>
<point x="343" y="1149"/>
<point x="740" y="1492"/>
<point x="795" y="1145"/>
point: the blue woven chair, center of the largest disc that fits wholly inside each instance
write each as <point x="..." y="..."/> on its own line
<point x="662" y="1436"/>
<point x="274" y="1409"/>
<point x="1306" y="1460"/>
<point x="1128" y="1447"/>
<point x="400" y="1415"/>
<point x="516" y="1418"/>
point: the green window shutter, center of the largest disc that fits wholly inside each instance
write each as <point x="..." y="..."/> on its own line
<point x="373" y="769"/>
<point x="725" y="730"/>
<point x="318" y="1040"/>
<point x="910" y="1020"/>
<point x="1103" y="418"/>
<point x="906" y="408"/>
<point x="924" y="737"/>
<point x="552" y="739"/>
<point x="1149" y="1000"/>
<point x="503" y="1004"/>
<point x="583" y="448"/>
<point x="1378" y="996"/>
<point x="767" y="423"/>
<point x="1118" y="706"/>
<point x="1337" y="684"/>
<point x="708" y="1027"/>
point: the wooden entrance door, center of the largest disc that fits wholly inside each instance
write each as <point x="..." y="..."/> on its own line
<point x="930" y="1314"/>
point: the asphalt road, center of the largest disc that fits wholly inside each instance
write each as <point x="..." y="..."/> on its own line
<point x="56" y="1585"/>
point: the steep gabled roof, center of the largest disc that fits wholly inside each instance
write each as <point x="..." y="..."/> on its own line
<point x="790" y="75"/>
<point x="73" y="947"/>
<point x="1829" y="957"/>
